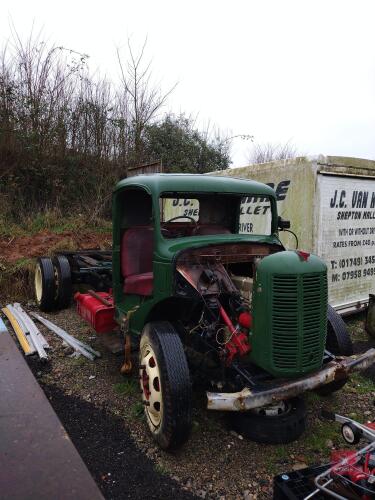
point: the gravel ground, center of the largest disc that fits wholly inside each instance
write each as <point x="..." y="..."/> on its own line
<point x="101" y="411"/>
<point x="118" y="466"/>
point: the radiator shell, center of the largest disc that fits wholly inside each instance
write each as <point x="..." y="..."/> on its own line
<point x="289" y="314"/>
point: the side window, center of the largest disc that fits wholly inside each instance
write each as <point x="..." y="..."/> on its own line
<point x="136" y="209"/>
<point x="179" y="207"/>
<point x="255" y="215"/>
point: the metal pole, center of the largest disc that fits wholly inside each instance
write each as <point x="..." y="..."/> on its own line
<point x="18" y="317"/>
<point x="38" y="346"/>
<point x="79" y="346"/>
<point x="20" y="333"/>
<point x="31" y="325"/>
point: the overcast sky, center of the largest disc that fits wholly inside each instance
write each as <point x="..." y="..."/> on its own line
<point x="300" y="71"/>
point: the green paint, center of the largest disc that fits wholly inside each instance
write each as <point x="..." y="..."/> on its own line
<point x="290" y="314"/>
<point x="289" y="330"/>
<point x="165" y="250"/>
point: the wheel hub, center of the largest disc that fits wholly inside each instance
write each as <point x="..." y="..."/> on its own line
<point x="273" y="410"/>
<point x="348" y="434"/>
<point x="38" y="283"/>
<point x="149" y="376"/>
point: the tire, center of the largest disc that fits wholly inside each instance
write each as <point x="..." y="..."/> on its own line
<point x="278" y="429"/>
<point x="338" y="343"/>
<point x="351" y="433"/>
<point x="338" y="339"/>
<point x="328" y="389"/>
<point x="44" y="284"/>
<point x="64" y="281"/>
<point x="165" y="384"/>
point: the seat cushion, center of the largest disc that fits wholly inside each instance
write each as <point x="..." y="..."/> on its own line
<point x="137" y="247"/>
<point x="140" y="284"/>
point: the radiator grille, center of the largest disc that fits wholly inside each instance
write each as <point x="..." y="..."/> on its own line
<point x="298" y="321"/>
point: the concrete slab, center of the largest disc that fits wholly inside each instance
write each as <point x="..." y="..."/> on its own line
<point x="37" y="458"/>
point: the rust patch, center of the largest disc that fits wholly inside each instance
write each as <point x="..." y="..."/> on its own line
<point x="340" y="373"/>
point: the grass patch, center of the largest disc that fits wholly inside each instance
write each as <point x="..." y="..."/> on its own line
<point x="312" y="397"/>
<point x="78" y="360"/>
<point x="15" y="280"/>
<point x="161" y="469"/>
<point x="129" y="387"/>
<point x="316" y="437"/>
<point x="362" y="385"/>
<point x="137" y="410"/>
<point x="65" y="244"/>
<point x="356" y="327"/>
<point x="277" y="455"/>
<point x="280" y="452"/>
<point x="53" y="221"/>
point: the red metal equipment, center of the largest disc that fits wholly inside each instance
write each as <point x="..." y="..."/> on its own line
<point x="349" y="476"/>
<point x="352" y="474"/>
<point x="97" y="309"/>
<point x="238" y="342"/>
<point x="245" y="320"/>
<point x="355" y="471"/>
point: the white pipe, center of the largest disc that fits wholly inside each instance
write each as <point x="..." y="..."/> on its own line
<point x="64" y="334"/>
<point x="31" y="325"/>
<point x="36" y="341"/>
<point x="79" y="346"/>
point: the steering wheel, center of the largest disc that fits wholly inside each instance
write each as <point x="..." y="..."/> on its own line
<point x="184" y="217"/>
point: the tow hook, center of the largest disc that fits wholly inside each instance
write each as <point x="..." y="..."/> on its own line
<point x="128" y="365"/>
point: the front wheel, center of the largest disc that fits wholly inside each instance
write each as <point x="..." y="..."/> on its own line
<point x="165" y="383"/>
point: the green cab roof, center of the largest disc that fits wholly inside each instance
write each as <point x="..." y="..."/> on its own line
<point x="156" y="184"/>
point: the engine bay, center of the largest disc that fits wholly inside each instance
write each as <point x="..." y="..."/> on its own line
<point x="218" y="281"/>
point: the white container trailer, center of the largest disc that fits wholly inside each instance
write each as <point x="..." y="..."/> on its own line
<point x="330" y="202"/>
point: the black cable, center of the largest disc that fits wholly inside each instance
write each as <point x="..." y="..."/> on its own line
<point x="294" y="234"/>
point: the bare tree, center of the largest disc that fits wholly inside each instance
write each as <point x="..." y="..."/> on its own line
<point x="144" y="98"/>
<point x="67" y="136"/>
<point x="263" y="153"/>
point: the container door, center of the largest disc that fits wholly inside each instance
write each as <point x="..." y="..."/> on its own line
<point x="345" y="237"/>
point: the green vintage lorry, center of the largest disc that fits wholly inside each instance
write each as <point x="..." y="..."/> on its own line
<point x="206" y="290"/>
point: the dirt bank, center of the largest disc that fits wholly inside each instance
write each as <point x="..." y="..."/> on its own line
<point x="13" y="249"/>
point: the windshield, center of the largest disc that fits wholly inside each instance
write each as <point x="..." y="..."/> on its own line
<point x="204" y="214"/>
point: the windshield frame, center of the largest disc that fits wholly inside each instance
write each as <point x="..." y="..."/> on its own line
<point x="197" y="195"/>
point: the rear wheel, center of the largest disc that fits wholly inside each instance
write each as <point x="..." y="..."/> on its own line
<point x="338" y="343"/>
<point x="44" y="284"/>
<point x="165" y="383"/>
<point x="280" y="423"/>
<point x="63" y="281"/>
